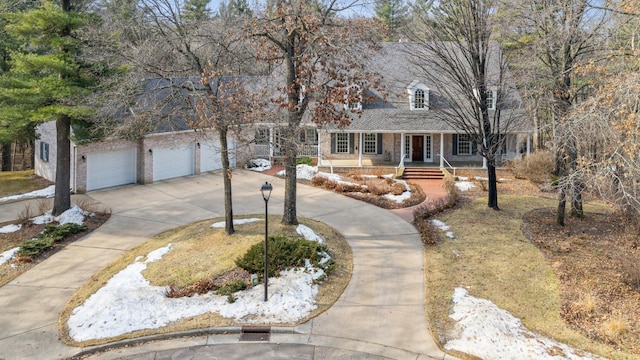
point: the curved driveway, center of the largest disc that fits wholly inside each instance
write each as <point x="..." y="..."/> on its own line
<point x="380" y="313"/>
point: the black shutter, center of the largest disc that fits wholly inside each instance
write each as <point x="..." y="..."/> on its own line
<point x="454" y="148"/>
<point x="379" y="144"/>
<point x="333" y="143"/>
<point x="351" y="143"/>
<point x="474" y="147"/>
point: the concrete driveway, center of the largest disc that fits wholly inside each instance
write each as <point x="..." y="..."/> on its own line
<point x="381" y="311"/>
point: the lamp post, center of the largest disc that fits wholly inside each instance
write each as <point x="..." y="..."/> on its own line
<point x="266" y="193"/>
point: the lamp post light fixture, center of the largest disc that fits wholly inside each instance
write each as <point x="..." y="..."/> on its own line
<point x="266" y="193"/>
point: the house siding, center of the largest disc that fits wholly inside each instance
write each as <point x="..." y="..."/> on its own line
<point x="47" y="134"/>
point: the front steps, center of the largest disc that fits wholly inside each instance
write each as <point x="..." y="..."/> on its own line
<point x="422" y="174"/>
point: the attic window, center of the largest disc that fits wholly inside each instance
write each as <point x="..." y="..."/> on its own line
<point x="353" y="98"/>
<point x="418" y="96"/>
<point x="491" y="99"/>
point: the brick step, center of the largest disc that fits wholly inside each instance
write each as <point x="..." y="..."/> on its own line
<point x="422" y="174"/>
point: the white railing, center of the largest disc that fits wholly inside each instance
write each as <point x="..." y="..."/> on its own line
<point x="308" y="150"/>
<point x="401" y="164"/>
<point x="261" y="150"/>
<point x="264" y="150"/>
<point x="445" y="160"/>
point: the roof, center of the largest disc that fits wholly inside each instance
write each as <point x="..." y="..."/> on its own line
<point x="396" y="63"/>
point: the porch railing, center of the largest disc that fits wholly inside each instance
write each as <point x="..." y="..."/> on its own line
<point x="448" y="164"/>
<point x="264" y="150"/>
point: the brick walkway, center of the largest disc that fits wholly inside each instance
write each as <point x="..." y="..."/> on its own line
<point x="434" y="189"/>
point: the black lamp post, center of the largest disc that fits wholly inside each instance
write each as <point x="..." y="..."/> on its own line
<point x="266" y="193"/>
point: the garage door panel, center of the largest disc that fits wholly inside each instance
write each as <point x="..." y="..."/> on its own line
<point x="211" y="156"/>
<point x="111" y="168"/>
<point x="170" y="162"/>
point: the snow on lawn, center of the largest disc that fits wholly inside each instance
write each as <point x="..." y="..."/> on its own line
<point x="309" y="234"/>
<point x="221" y="224"/>
<point x="11" y="228"/>
<point x="128" y="302"/>
<point x="258" y="165"/>
<point x="464" y="185"/>
<point x="488" y="332"/>
<point x="45" y="193"/>
<point x="74" y="215"/>
<point x="303" y="171"/>
<point x="8" y="255"/>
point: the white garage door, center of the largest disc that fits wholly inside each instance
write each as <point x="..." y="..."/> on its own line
<point x="111" y="168"/>
<point x="173" y="162"/>
<point x="211" y="157"/>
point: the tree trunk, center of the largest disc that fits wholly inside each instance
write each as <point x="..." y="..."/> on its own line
<point x="226" y="169"/>
<point x="6" y="157"/>
<point x="493" y="185"/>
<point x="576" y="200"/>
<point x="62" y="198"/>
<point x="290" y="187"/>
<point x="562" y="205"/>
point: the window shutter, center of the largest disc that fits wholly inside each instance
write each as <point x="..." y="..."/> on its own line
<point x="379" y="144"/>
<point x="474" y="147"/>
<point x="41" y="150"/>
<point x="351" y="141"/>
<point x="333" y="143"/>
<point x="454" y="147"/>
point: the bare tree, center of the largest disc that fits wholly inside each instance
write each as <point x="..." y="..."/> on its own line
<point x="188" y="58"/>
<point x="457" y="54"/>
<point x="319" y="57"/>
<point x="562" y="35"/>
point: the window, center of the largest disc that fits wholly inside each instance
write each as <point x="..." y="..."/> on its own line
<point x="44" y="151"/>
<point x="353" y="98"/>
<point x="491" y="99"/>
<point x="342" y="143"/>
<point x="308" y="136"/>
<point x="418" y="96"/>
<point x="418" y="100"/>
<point x="370" y="143"/>
<point x="464" y="144"/>
<point x="262" y="136"/>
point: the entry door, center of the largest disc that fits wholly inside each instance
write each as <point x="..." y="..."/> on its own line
<point x="417" y="148"/>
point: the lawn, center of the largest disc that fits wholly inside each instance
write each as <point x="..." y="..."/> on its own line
<point x="19" y="182"/>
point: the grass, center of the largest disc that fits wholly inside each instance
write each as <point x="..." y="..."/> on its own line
<point x="493" y="260"/>
<point x="201" y="252"/>
<point x="19" y="182"/>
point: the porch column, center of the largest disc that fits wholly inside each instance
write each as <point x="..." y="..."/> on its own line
<point x="484" y="162"/>
<point x="360" y="149"/>
<point x="403" y="145"/>
<point x="441" y="150"/>
<point x="319" y="148"/>
<point x="528" y="144"/>
<point x="518" y="155"/>
<point x="271" y="136"/>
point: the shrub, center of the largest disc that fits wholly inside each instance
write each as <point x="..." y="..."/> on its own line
<point x="232" y="287"/>
<point x="537" y="167"/>
<point x="47" y="238"/>
<point x="428" y="232"/>
<point x="304" y="160"/>
<point x="284" y="253"/>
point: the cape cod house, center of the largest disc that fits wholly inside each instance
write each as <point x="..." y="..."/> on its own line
<point x="404" y="129"/>
<point x="401" y="131"/>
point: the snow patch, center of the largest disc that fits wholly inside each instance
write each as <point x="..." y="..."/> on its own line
<point x="259" y="165"/>
<point x="8" y="255"/>
<point x="11" y="228"/>
<point x="488" y="332"/>
<point x="303" y="171"/>
<point x="75" y="215"/>
<point x="129" y="303"/>
<point x="45" y="193"/>
<point x="222" y="224"/>
<point x="309" y="234"/>
<point x="440" y="224"/>
<point x="464" y="185"/>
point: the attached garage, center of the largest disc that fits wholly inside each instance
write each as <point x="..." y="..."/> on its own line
<point x="111" y="168"/>
<point x="211" y="157"/>
<point x="171" y="162"/>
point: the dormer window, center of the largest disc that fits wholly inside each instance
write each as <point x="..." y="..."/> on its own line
<point x="491" y="99"/>
<point x="418" y="96"/>
<point x="353" y="98"/>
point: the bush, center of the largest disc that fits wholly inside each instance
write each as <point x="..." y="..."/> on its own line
<point x="284" y="253"/>
<point x="47" y="238"/>
<point x="537" y="167"/>
<point x="428" y="232"/>
<point x="304" y="160"/>
<point x="232" y="287"/>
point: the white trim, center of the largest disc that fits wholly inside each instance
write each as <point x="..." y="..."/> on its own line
<point x="411" y="89"/>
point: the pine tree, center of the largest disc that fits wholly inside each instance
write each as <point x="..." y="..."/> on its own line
<point x="196" y="10"/>
<point x="393" y="14"/>
<point x="46" y="80"/>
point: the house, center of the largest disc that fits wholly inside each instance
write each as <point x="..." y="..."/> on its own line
<point x="169" y="148"/>
<point x="404" y="129"/>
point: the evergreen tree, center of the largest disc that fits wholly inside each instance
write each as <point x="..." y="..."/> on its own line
<point x="46" y="80"/>
<point x="196" y="10"/>
<point x="393" y="14"/>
